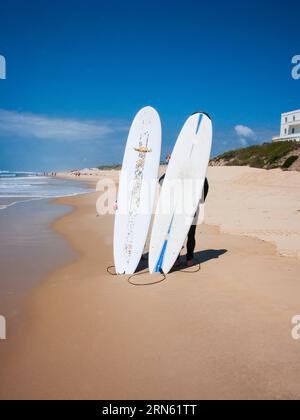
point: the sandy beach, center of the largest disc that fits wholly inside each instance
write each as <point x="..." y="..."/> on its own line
<point x="223" y="332"/>
<point x="90" y="90"/>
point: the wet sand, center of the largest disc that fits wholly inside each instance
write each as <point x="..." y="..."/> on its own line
<point x="221" y="332"/>
<point x="29" y="250"/>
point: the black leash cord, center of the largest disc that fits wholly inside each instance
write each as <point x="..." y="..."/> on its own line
<point x="109" y="272"/>
<point x="146" y="284"/>
<point x="108" y="269"/>
<point x="164" y="277"/>
<point x="194" y="271"/>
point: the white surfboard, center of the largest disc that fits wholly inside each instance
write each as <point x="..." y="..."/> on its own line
<point x="136" y="194"/>
<point x="181" y="192"/>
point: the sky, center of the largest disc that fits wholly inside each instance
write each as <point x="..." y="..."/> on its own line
<point x="78" y="71"/>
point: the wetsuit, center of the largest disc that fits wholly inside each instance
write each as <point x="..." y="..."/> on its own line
<point x="191" y="241"/>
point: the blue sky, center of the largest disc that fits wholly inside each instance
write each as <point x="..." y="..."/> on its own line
<point x="78" y="71"/>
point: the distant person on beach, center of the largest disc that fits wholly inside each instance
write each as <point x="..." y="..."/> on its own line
<point x="191" y="240"/>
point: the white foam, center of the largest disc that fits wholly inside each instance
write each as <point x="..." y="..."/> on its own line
<point x="27" y="188"/>
<point x="5" y="206"/>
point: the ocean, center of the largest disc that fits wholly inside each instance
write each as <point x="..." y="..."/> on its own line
<point x="18" y="187"/>
<point x="29" y="248"/>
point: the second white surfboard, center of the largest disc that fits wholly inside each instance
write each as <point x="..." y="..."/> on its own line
<point x="181" y="192"/>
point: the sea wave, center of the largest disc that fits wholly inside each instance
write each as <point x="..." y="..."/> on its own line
<point x="5" y="206"/>
<point x="20" y="189"/>
<point x="17" y="174"/>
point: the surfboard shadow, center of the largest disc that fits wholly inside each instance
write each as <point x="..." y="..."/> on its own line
<point x="209" y="254"/>
<point x="201" y="257"/>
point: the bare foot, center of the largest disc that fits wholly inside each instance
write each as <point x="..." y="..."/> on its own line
<point x="189" y="263"/>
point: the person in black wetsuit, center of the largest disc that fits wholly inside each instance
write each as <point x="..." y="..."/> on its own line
<point x="191" y="241"/>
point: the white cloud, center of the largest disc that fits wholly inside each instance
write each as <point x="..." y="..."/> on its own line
<point x="42" y="127"/>
<point x="227" y="139"/>
<point x="245" y="132"/>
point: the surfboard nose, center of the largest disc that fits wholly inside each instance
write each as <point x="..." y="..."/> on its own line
<point x="201" y="112"/>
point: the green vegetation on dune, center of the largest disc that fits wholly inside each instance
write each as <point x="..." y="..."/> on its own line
<point x="109" y="167"/>
<point x="290" y="160"/>
<point x="267" y="155"/>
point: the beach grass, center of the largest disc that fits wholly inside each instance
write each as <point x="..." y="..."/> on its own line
<point x="267" y="156"/>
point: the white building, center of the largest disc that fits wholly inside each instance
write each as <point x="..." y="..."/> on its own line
<point x="290" y="126"/>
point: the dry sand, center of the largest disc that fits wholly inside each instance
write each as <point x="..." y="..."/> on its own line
<point x="222" y="332"/>
<point x="257" y="203"/>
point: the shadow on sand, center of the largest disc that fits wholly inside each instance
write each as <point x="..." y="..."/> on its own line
<point x="200" y="257"/>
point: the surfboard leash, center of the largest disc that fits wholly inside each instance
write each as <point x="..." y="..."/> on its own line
<point x="109" y="272"/>
<point x="164" y="277"/>
<point x="108" y="269"/>
<point x="194" y="271"/>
